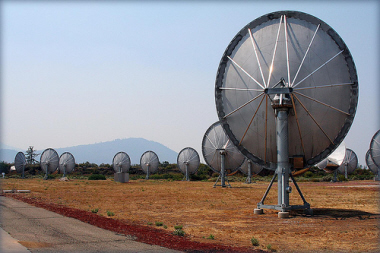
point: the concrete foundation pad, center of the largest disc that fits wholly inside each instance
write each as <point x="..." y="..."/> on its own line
<point x="283" y="215"/>
<point x="258" y="211"/>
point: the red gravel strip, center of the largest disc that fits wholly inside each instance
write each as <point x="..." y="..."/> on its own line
<point x="143" y="234"/>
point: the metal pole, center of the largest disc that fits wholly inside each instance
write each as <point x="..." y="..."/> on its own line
<point x="147" y="172"/>
<point x="222" y="169"/>
<point x="345" y="170"/>
<point x="187" y="172"/>
<point x="283" y="168"/>
<point x="249" y="172"/>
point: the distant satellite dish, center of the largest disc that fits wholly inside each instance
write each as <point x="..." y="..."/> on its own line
<point x="250" y="168"/>
<point x="335" y="159"/>
<point x="49" y="161"/>
<point x="66" y="163"/>
<point x="121" y="162"/>
<point x="374" y="148"/>
<point x="349" y="164"/>
<point x="322" y="164"/>
<point x="371" y="165"/>
<point x="20" y="163"/>
<point x="149" y="163"/>
<point x="188" y="161"/>
<point x="220" y="153"/>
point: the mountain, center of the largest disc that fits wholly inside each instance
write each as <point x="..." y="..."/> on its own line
<point x="105" y="151"/>
<point x="8" y="155"/>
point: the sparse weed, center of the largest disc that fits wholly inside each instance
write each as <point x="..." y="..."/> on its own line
<point x="159" y="224"/>
<point x="254" y="241"/>
<point x="178" y="227"/>
<point x="109" y="213"/>
<point x="96" y="210"/>
<point x="211" y="237"/>
<point x="270" y="248"/>
<point x="179" y="232"/>
<point x="150" y="223"/>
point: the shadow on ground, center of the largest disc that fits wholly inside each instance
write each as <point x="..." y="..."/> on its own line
<point x="340" y="214"/>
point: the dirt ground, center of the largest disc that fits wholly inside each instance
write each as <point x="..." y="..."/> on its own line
<point x="346" y="214"/>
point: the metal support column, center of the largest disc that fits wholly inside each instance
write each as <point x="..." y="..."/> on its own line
<point x="248" y="181"/>
<point x="187" y="172"/>
<point x="283" y="167"/>
<point x="222" y="169"/>
<point x="147" y="171"/>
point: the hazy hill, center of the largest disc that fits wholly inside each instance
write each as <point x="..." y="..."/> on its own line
<point x="8" y="155"/>
<point x="105" y="151"/>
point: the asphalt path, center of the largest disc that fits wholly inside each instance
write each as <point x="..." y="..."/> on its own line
<point x="31" y="229"/>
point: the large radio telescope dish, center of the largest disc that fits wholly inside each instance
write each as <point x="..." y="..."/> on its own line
<point x="374" y="148"/>
<point x="20" y="163"/>
<point x="121" y="162"/>
<point x="149" y="163"/>
<point x="49" y="160"/>
<point x="66" y="163"/>
<point x="349" y="164"/>
<point x="299" y="60"/>
<point x="188" y="161"/>
<point x="371" y="165"/>
<point x="215" y="141"/>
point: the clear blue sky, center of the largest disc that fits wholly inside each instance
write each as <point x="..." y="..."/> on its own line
<point x="92" y="71"/>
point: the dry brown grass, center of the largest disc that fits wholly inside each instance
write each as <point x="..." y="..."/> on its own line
<point x="340" y="224"/>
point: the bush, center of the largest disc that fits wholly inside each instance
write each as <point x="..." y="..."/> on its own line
<point x="159" y="224"/>
<point x="254" y="241"/>
<point x="308" y="174"/>
<point x="97" y="177"/>
<point x="211" y="237"/>
<point x="327" y="178"/>
<point x="179" y="232"/>
<point x="342" y="178"/>
<point x="178" y="227"/>
<point x="96" y="210"/>
<point x="109" y="213"/>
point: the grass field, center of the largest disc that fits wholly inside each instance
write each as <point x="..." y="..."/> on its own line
<point x="346" y="214"/>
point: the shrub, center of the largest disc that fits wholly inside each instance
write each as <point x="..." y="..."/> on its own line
<point x="96" y="177"/>
<point x="159" y="224"/>
<point x="165" y="226"/>
<point x="96" y="210"/>
<point x="342" y="178"/>
<point x="211" y="237"/>
<point x="109" y="213"/>
<point x="308" y="174"/>
<point x="179" y="232"/>
<point x="178" y="227"/>
<point x="327" y="178"/>
<point x="254" y="241"/>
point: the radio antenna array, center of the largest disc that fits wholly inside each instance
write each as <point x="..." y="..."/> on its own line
<point x="220" y="153"/>
<point x="349" y="164"/>
<point x="249" y="168"/>
<point x="149" y="163"/>
<point x="285" y="80"/>
<point x="66" y="163"/>
<point x="188" y="162"/>
<point x="20" y="163"/>
<point x="49" y="161"/>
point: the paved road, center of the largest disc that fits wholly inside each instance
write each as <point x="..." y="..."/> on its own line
<point x="40" y="230"/>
